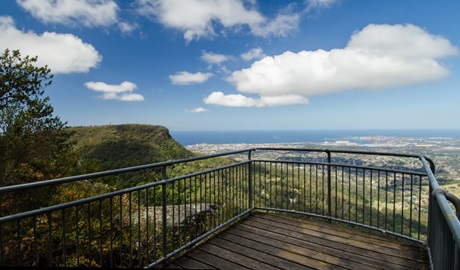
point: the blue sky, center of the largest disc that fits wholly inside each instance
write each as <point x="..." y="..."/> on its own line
<point x="245" y="64"/>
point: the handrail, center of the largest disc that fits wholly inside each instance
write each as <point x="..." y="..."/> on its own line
<point x="354" y="166"/>
<point x="105" y="196"/>
<point x="336" y="151"/>
<point x="357" y="152"/>
<point x="69" y="179"/>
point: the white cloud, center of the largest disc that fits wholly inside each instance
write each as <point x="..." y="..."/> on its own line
<point x="63" y="53"/>
<point x="256" y="53"/>
<point x="197" y="110"/>
<point x="130" y="97"/>
<point x="283" y="24"/>
<point x="199" y="18"/>
<point x="127" y="27"/>
<point x="320" y="4"/>
<point x="219" y="98"/>
<point x="73" y="12"/>
<point x="121" y="91"/>
<point x="186" y="78"/>
<point x="378" y="56"/>
<point x="214" y="58"/>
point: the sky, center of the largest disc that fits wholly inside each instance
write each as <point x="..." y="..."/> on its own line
<point x="245" y="64"/>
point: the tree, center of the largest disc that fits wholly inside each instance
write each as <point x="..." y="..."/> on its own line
<point x="34" y="144"/>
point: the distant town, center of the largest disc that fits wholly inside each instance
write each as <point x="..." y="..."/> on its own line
<point x="445" y="152"/>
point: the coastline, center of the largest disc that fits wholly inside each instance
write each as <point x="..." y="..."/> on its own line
<point x="305" y="136"/>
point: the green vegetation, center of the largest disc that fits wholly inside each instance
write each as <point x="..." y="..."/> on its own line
<point x="34" y="143"/>
<point x="119" y="146"/>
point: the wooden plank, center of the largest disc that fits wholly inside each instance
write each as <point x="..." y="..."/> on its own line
<point x="278" y="252"/>
<point x="348" y="228"/>
<point x="342" y="231"/>
<point x="301" y="225"/>
<point x="186" y="262"/>
<point x="236" y="257"/>
<point x="343" y="244"/>
<point x="330" y="241"/>
<point x="328" y="259"/>
<point x="380" y="245"/>
<point x="345" y="239"/>
<point x="295" y="245"/>
<point x="412" y="251"/>
<point x="256" y="253"/>
<point x="215" y="261"/>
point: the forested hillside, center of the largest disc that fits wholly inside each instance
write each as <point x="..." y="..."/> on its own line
<point x="118" y="146"/>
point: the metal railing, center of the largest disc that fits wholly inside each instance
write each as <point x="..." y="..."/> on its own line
<point x="146" y="225"/>
<point x="444" y="226"/>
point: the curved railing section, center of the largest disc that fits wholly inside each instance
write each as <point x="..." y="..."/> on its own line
<point x="444" y="226"/>
<point x="393" y="201"/>
<point x="146" y="225"/>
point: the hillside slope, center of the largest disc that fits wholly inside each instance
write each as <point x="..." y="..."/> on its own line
<point x="118" y="146"/>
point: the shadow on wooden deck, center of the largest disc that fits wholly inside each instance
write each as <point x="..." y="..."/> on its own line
<point x="273" y="241"/>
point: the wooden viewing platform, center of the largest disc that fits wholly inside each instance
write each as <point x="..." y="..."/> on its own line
<point x="273" y="241"/>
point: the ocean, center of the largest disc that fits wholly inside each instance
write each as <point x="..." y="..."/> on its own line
<point x="298" y="136"/>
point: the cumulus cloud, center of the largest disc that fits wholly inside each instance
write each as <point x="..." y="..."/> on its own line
<point x="88" y="13"/>
<point x="378" y="56"/>
<point x="63" y="53"/>
<point x="256" y="53"/>
<point x="214" y="58"/>
<point x="121" y="91"/>
<point x="238" y="100"/>
<point x="199" y="18"/>
<point x="186" y="78"/>
<point x="197" y="110"/>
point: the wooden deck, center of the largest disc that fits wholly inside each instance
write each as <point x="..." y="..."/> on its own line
<point x="270" y="241"/>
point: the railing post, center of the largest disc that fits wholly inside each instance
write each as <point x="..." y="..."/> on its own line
<point x="164" y="216"/>
<point x="431" y="203"/>
<point x="329" y="199"/>
<point x="250" y="203"/>
<point x="456" y="202"/>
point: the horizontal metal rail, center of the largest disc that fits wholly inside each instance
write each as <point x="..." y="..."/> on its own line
<point x="95" y="175"/>
<point x="54" y="208"/>
<point x="337" y="151"/>
<point x="341" y="165"/>
<point x="146" y="225"/>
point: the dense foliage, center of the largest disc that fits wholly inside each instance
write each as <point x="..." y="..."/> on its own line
<point x="119" y="146"/>
<point x="34" y="143"/>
